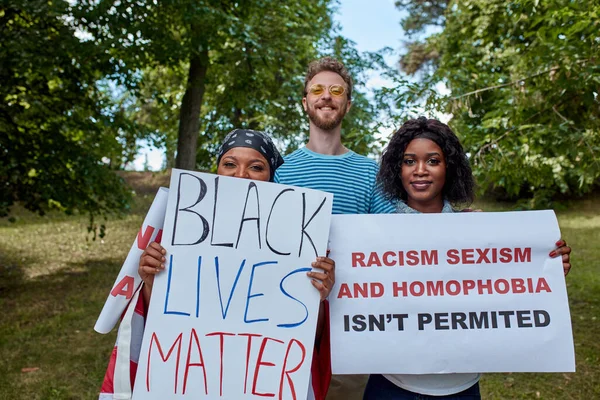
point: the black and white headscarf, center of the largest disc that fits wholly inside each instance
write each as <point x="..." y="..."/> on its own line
<point x="256" y="140"/>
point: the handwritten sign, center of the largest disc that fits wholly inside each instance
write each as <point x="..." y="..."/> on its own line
<point x="234" y="314"/>
<point x="128" y="279"/>
<point x="439" y="293"/>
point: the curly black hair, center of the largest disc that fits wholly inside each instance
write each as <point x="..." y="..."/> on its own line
<point x="460" y="185"/>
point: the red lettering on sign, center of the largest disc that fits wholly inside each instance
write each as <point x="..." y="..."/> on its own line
<point x="144" y="239"/>
<point x="221" y="336"/>
<point x="358" y="259"/>
<point x="158" y="237"/>
<point x="177" y="343"/>
<point x="259" y="362"/>
<point x="188" y="364"/>
<point x="248" y="350"/>
<point x="124" y="287"/>
<point x="288" y="372"/>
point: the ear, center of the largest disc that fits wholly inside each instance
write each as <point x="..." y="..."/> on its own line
<point x="349" y="106"/>
<point x="304" y="104"/>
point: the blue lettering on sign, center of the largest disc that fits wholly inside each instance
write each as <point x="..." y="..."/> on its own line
<point x="295" y="324"/>
<point x="224" y="312"/>
<point x="255" y="294"/>
<point x="171" y="268"/>
<point x="226" y="305"/>
<point x="198" y="287"/>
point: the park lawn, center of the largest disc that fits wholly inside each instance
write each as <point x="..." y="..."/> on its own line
<point x="53" y="284"/>
<point x="54" y="281"/>
<point x="580" y="227"/>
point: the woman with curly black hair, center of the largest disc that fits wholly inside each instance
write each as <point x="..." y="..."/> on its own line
<point x="425" y="164"/>
<point x="425" y="169"/>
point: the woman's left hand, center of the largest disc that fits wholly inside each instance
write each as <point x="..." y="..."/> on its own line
<point x="564" y="251"/>
<point x="325" y="280"/>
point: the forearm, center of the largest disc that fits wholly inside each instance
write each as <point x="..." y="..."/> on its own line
<point x="320" y="324"/>
<point x="146" y="292"/>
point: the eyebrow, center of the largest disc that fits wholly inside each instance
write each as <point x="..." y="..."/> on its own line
<point x="429" y="154"/>
<point x="254" y="160"/>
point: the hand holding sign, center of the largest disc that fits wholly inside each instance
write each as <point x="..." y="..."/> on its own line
<point x="325" y="280"/>
<point x="564" y="252"/>
<point x="151" y="263"/>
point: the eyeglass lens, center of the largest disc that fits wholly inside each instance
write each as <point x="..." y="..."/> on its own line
<point x="334" y="90"/>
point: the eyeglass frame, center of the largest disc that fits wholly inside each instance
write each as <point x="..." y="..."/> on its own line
<point x="326" y="88"/>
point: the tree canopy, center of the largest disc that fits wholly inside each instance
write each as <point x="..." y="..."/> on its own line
<point x="57" y="131"/>
<point x="252" y="77"/>
<point x="524" y="79"/>
<point x="85" y="80"/>
<point x="242" y="59"/>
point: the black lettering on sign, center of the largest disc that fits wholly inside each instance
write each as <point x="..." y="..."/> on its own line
<point x="201" y="194"/>
<point x="256" y="218"/>
<point x="305" y="225"/>
<point x="374" y="322"/>
<point x="269" y="220"/>
<point x="212" y="234"/>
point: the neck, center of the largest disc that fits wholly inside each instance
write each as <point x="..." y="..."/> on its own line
<point x="434" y="206"/>
<point x="326" y="142"/>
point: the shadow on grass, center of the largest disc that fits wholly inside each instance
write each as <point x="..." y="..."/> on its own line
<point x="12" y="273"/>
<point x="48" y="324"/>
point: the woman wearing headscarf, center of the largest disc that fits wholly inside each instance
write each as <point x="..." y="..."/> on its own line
<point x="246" y="154"/>
<point x="243" y="154"/>
<point x="249" y="146"/>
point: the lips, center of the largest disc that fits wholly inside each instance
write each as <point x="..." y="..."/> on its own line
<point x="421" y="185"/>
<point x="326" y="107"/>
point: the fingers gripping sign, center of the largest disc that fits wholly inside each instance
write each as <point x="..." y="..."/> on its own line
<point x="151" y="263"/>
<point x="323" y="281"/>
<point x="564" y="252"/>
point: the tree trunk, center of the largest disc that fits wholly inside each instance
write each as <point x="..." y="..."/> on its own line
<point x="189" y="117"/>
<point x="170" y="152"/>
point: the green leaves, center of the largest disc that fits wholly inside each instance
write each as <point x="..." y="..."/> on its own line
<point x="254" y="55"/>
<point x="53" y="133"/>
<point x="524" y="88"/>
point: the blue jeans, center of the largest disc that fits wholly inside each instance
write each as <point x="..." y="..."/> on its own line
<point x="379" y="388"/>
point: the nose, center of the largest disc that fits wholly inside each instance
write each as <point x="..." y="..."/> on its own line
<point x="241" y="173"/>
<point x="326" y="94"/>
<point x="421" y="168"/>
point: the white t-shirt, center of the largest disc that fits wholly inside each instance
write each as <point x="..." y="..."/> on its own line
<point x="434" y="384"/>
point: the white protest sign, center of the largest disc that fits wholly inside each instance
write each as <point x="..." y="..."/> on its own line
<point x="440" y="293"/>
<point x="233" y="316"/>
<point x="128" y="279"/>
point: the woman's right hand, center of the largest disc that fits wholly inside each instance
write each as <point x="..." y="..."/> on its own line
<point x="151" y="263"/>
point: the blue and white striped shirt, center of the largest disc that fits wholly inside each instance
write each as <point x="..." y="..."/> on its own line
<point x="350" y="177"/>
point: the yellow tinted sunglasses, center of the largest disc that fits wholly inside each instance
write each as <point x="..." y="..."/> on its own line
<point x="334" y="90"/>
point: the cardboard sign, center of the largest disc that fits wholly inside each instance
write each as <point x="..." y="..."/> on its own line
<point x="234" y="314"/>
<point x="441" y="293"/>
<point x="128" y="279"/>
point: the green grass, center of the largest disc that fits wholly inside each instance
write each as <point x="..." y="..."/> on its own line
<point x="580" y="226"/>
<point x="53" y="284"/>
<point x="54" y="281"/>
